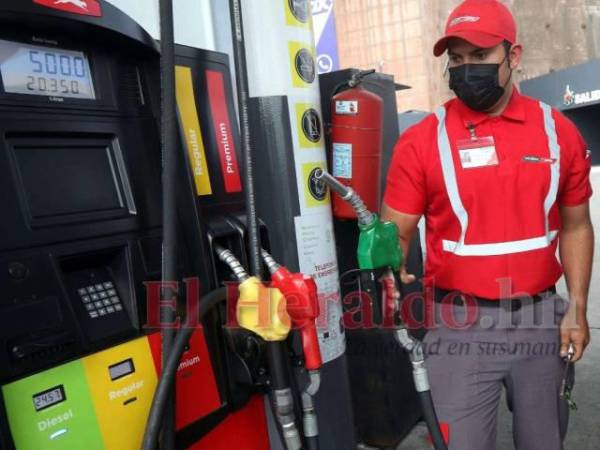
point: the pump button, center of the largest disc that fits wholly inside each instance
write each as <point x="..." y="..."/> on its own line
<point x="18" y="271"/>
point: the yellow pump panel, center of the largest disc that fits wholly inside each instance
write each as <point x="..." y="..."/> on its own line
<point x="122" y="381"/>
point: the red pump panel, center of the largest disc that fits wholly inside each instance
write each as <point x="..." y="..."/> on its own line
<point x="245" y="429"/>
<point x="357" y="117"/>
<point x="196" y="388"/>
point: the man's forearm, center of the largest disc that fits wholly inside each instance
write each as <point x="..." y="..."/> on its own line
<point x="576" y="246"/>
<point x="407" y="225"/>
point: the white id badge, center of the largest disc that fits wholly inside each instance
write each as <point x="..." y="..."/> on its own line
<point x="477" y="152"/>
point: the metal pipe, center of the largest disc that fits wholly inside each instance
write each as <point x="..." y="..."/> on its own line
<point x="239" y="57"/>
<point x="365" y="217"/>
<point x="283" y="404"/>
<point x="168" y="121"/>
<point x="309" y="414"/>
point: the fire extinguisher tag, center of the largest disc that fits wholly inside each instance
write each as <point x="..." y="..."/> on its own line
<point x="346" y="107"/>
<point x="342" y="160"/>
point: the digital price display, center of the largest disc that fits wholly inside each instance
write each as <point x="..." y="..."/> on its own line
<point x="49" y="398"/>
<point x="36" y="70"/>
<point x="121" y="369"/>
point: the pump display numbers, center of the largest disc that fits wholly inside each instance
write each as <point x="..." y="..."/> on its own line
<point x="36" y="70"/>
<point x="121" y="369"/>
<point x="49" y="398"/>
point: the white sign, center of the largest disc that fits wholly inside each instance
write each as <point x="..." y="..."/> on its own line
<point x="342" y="160"/>
<point x="346" y="107"/>
<point x="316" y="257"/>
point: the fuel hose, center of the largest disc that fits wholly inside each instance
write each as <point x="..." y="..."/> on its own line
<point x="169" y="370"/>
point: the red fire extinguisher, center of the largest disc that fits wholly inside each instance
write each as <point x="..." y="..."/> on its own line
<point x="356" y="123"/>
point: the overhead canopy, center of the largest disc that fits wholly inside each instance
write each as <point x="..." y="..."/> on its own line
<point x="567" y="89"/>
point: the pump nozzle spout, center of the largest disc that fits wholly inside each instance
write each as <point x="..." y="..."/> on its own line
<point x="365" y="217"/>
<point x="269" y="261"/>
<point x="227" y="257"/>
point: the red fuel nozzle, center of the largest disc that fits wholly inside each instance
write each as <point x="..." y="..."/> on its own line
<point x="300" y="292"/>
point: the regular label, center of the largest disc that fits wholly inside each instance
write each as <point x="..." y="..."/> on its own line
<point x="186" y="103"/>
<point x="342" y="160"/>
<point x="346" y="107"/>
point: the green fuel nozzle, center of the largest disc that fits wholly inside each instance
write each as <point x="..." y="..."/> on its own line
<point x="378" y="244"/>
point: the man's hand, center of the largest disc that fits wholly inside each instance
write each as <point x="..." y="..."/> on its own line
<point x="406" y="277"/>
<point x="407" y="225"/>
<point x="576" y="245"/>
<point x="574" y="329"/>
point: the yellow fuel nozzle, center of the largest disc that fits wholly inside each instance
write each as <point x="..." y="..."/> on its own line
<point x="263" y="310"/>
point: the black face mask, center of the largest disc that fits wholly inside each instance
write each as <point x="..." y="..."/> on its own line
<point x="477" y="85"/>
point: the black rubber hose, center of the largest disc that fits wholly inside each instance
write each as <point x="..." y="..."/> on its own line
<point x="168" y="119"/>
<point x="239" y="57"/>
<point x="276" y="360"/>
<point x="312" y="443"/>
<point x="169" y="370"/>
<point x="431" y="420"/>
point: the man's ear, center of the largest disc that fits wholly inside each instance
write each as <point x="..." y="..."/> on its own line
<point x="515" y="55"/>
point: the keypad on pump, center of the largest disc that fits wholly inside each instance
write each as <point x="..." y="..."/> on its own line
<point x="100" y="299"/>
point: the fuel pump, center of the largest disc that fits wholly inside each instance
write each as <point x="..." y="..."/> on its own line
<point x="302" y="302"/>
<point x="262" y="310"/>
<point x="379" y="248"/>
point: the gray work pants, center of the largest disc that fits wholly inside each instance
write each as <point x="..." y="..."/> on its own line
<point x="469" y="367"/>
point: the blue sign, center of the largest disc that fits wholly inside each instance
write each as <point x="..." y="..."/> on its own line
<point x="325" y="35"/>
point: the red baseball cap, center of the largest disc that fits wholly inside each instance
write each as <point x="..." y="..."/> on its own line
<point x="483" y="23"/>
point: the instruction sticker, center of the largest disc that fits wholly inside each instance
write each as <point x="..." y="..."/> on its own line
<point x="315" y="191"/>
<point x="342" y="160"/>
<point x="297" y="12"/>
<point x="302" y="63"/>
<point x="309" y="125"/>
<point x="317" y="257"/>
<point x="346" y="107"/>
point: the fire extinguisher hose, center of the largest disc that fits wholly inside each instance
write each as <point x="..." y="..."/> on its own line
<point x="169" y="370"/>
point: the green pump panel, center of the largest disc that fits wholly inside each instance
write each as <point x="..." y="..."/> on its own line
<point x="53" y="410"/>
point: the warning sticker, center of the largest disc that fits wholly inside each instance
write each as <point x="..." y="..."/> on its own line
<point x="316" y="257"/>
<point x="186" y="103"/>
<point x="309" y="125"/>
<point x="315" y="191"/>
<point x="342" y="160"/>
<point x="297" y="12"/>
<point x="302" y="62"/>
<point x="346" y="107"/>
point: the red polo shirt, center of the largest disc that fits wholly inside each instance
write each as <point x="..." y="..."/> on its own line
<point x="511" y="207"/>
